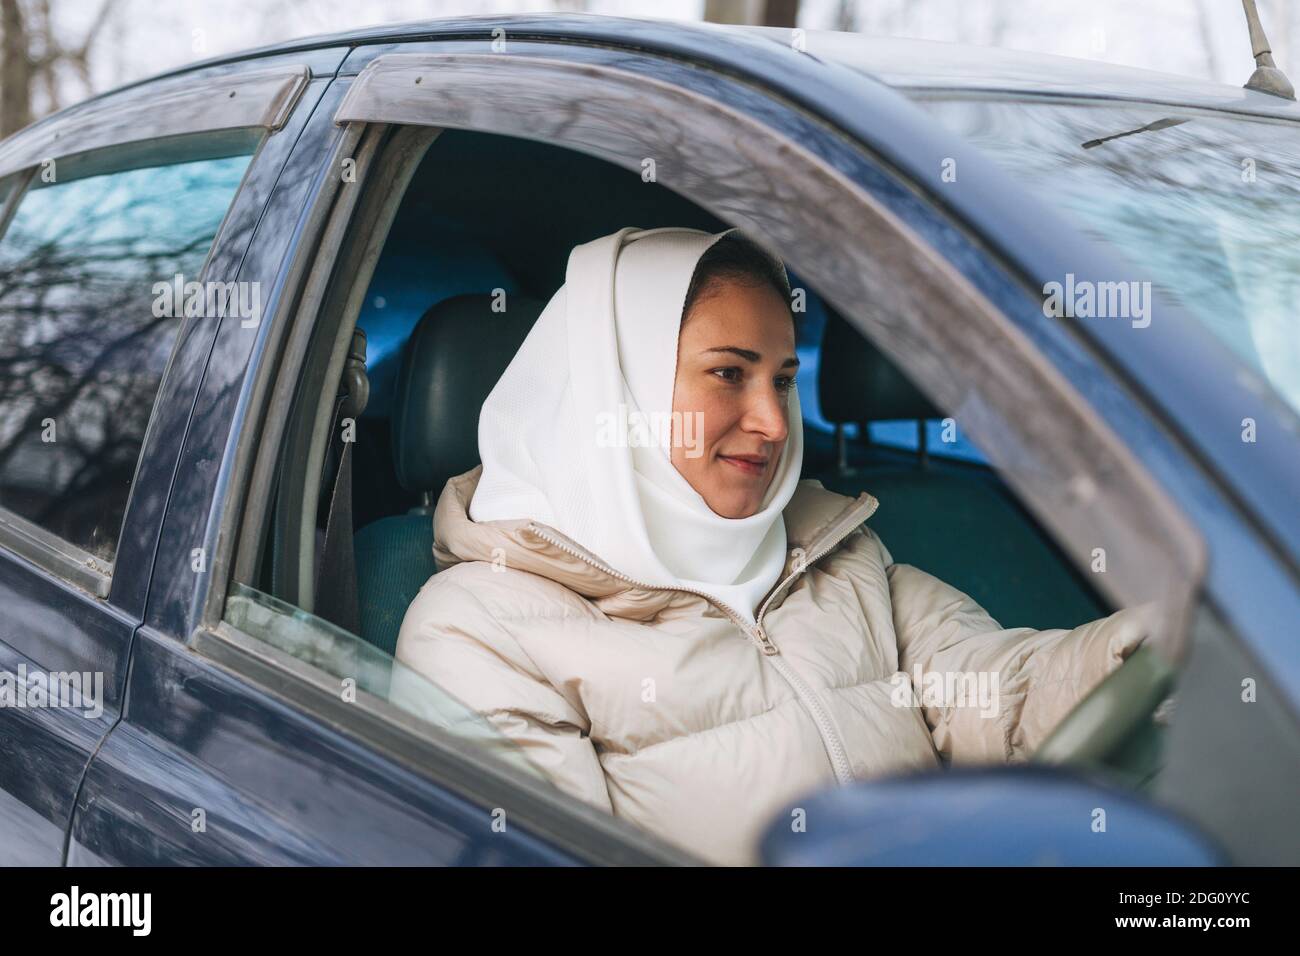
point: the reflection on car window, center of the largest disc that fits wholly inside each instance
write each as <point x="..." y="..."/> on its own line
<point x="1207" y="204"/>
<point x="373" y="673"/>
<point x="81" y="351"/>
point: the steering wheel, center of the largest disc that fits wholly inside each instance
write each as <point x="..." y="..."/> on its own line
<point x="1096" y="731"/>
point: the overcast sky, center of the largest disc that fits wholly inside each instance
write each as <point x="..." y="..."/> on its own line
<point x="1203" y="38"/>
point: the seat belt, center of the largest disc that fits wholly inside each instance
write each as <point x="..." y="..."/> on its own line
<point x="336" y="577"/>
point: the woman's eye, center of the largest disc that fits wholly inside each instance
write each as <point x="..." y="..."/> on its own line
<point x="729" y="374"/>
<point x="785" y="383"/>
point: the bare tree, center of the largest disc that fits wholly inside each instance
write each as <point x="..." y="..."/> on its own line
<point x="16" y="69"/>
<point x="772" y="13"/>
<point x="1000" y="24"/>
<point x="781" y="13"/>
<point x="846" y="16"/>
<point x="32" y="57"/>
<point x="1207" y="39"/>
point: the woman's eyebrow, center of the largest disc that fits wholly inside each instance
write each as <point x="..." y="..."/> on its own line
<point x="749" y="355"/>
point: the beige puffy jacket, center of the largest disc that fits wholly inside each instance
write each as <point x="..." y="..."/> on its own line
<point x="662" y="707"/>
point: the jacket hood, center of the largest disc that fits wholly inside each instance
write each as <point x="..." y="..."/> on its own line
<point x="815" y="519"/>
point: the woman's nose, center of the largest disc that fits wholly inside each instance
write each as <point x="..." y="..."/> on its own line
<point x="767" y="415"/>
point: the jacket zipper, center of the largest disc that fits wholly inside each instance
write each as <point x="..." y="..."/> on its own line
<point x="842" y="531"/>
<point x="831" y="740"/>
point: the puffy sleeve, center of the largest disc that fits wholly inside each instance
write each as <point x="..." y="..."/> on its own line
<point x="1036" y="677"/>
<point x="450" y="639"/>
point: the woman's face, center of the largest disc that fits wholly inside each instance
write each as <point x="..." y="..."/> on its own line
<point x="735" y="369"/>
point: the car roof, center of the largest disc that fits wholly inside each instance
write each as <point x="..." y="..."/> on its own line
<point x="906" y="64"/>
<point x="959" y="67"/>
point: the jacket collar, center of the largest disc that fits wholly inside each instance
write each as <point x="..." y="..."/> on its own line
<point x="815" y="521"/>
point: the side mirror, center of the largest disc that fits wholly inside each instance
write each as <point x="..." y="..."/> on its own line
<point x="997" y="816"/>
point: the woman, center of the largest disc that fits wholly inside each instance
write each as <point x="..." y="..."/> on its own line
<point x="636" y="587"/>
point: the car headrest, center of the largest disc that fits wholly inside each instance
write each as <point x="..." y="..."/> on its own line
<point x="856" y="383"/>
<point x="458" y="350"/>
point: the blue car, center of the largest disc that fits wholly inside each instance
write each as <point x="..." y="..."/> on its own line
<point x="247" y="322"/>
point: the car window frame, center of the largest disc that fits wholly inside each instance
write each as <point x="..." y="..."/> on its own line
<point x="178" y="106"/>
<point x="254" y="103"/>
<point x="1162" y="557"/>
<point x="337" y="292"/>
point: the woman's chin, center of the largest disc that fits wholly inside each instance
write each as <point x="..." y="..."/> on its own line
<point x="733" y="505"/>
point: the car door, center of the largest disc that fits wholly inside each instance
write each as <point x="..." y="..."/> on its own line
<point x="230" y="754"/>
<point x="105" y="206"/>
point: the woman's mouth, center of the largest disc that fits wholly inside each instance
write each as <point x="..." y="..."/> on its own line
<point x="752" y="465"/>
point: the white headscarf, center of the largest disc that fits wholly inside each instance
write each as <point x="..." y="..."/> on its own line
<point x="555" y="448"/>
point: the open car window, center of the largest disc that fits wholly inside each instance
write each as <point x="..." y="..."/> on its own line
<point x="950" y="514"/>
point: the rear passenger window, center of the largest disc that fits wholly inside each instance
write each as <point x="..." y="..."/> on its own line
<point x="82" y="344"/>
<point x="942" y="437"/>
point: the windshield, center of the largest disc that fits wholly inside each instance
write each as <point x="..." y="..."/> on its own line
<point x="1207" y="204"/>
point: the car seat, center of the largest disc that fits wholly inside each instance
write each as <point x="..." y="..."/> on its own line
<point x="454" y="357"/>
<point x="952" y="519"/>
